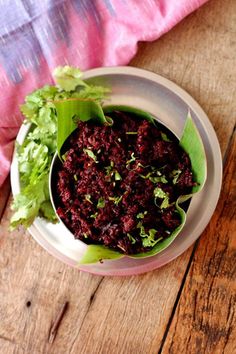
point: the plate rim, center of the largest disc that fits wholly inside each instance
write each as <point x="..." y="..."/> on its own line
<point x="195" y="107"/>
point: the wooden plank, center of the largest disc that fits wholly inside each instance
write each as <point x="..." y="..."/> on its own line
<point x="34" y="287"/>
<point x="199" y="55"/>
<point x="205" y="319"/>
<point x="117" y="315"/>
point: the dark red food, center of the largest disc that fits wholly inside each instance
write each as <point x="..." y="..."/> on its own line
<point x="118" y="184"/>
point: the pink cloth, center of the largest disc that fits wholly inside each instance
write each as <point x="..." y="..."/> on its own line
<point x="35" y="38"/>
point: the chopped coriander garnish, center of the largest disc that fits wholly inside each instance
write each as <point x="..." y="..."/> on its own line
<point x="159" y="193"/>
<point x="133" y="158"/>
<point x="64" y="157"/>
<point x="175" y="174"/>
<point x="161" y="179"/>
<point x="148" y="239"/>
<point x="93" y="216"/>
<point x="117" y="176"/>
<point x="131" y="238"/>
<point x="148" y="242"/>
<point x="155" y="179"/>
<point x="116" y="200"/>
<point x="141" y="215"/>
<point x="88" y="198"/>
<point x="164" y="137"/>
<point x="91" y="154"/>
<point x="101" y="203"/>
<point x="131" y="133"/>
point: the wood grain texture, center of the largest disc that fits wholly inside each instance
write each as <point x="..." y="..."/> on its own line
<point x="103" y="315"/>
<point x="199" y="55"/>
<point x="128" y="315"/>
<point x="205" y="319"/>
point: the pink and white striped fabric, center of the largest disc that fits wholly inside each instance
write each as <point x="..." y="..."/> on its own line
<point x="37" y="36"/>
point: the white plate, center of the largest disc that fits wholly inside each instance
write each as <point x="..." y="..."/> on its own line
<point x="169" y="103"/>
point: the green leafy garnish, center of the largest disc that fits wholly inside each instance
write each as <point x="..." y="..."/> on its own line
<point x="88" y="198"/>
<point x="91" y="154"/>
<point x="101" y="203"/>
<point x="35" y="154"/>
<point x="158" y="179"/>
<point x="159" y="193"/>
<point x="68" y="78"/>
<point x="164" y="137"/>
<point x="133" y="158"/>
<point x="93" y="216"/>
<point x="131" y="238"/>
<point x="175" y="174"/>
<point x="117" y="176"/>
<point x="116" y="200"/>
<point x="131" y="133"/>
<point x="148" y="239"/>
<point x="141" y="215"/>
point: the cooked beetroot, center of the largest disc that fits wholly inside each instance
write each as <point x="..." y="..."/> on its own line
<point x="118" y="184"/>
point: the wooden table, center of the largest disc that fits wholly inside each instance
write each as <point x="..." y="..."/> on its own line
<point x="188" y="306"/>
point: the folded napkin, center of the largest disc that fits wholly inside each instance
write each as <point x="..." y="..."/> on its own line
<point x="37" y="36"/>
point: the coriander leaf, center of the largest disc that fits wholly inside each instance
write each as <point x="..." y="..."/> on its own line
<point x="101" y="203"/>
<point x="175" y="174"/>
<point x="116" y="200"/>
<point x="149" y="242"/>
<point x="164" y="137"/>
<point x="90" y="154"/>
<point x="46" y="210"/>
<point x="131" y="238"/>
<point x="148" y="239"/>
<point x="88" y="198"/>
<point x="161" y="179"/>
<point x="133" y="158"/>
<point x="159" y="193"/>
<point x="68" y="77"/>
<point x="117" y="176"/>
<point x="93" y="216"/>
<point x="141" y="215"/>
<point x="27" y="204"/>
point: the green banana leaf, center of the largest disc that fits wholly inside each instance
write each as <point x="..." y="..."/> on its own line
<point x="70" y="111"/>
<point x="190" y="141"/>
